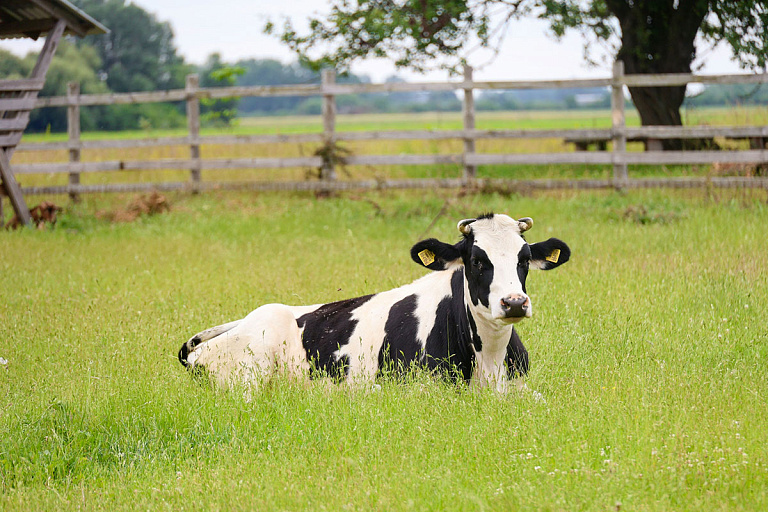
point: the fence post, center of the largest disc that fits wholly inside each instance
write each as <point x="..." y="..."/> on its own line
<point x="193" y="127"/>
<point x="328" y="78"/>
<point x="73" y="131"/>
<point x="468" y="112"/>
<point x="618" y="125"/>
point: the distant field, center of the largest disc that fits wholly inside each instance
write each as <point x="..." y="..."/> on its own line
<point x="436" y="121"/>
<point x="649" y="347"/>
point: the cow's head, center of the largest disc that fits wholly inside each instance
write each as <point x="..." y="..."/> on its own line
<point x="496" y="259"/>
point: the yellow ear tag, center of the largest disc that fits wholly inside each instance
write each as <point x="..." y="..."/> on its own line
<point x="427" y="257"/>
<point x="554" y="256"/>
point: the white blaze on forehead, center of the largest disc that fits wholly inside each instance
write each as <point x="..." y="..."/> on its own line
<point x="497" y="234"/>
<point x="500" y="238"/>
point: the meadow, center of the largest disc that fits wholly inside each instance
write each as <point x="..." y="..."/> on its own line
<point x="649" y="347"/>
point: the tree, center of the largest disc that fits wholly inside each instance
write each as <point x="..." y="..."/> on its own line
<point x="69" y="64"/>
<point x="648" y="36"/>
<point x="216" y="73"/>
<point x="138" y="54"/>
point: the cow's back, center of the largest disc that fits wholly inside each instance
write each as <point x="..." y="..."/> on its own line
<point x="423" y="322"/>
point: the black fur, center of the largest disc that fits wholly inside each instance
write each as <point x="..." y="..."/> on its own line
<point x="517" y="357"/>
<point x="448" y="347"/>
<point x="444" y="253"/>
<point x="186" y="348"/>
<point x="476" y="341"/>
<point x="542" y="250"/>
<point x="479" y="274"/>
<point x="325" y="330"/>
<point x="523" y="265"/>
<point x="401" y="346"/>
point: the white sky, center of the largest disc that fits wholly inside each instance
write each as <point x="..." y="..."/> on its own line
<point x="233" y="28"/>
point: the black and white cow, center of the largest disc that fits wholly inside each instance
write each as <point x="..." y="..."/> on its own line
<point x="457" y="318"/>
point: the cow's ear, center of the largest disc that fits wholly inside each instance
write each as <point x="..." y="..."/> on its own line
<point x="434" y="254"/>
<point x="549" y="254"/>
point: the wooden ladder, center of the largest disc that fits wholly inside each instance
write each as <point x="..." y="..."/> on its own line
<point x="17" y="99"/>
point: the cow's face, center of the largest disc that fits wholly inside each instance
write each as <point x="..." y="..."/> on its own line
<point x="496" y="260"/>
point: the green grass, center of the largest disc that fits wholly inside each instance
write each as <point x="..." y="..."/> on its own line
<point x="649" y="347"/>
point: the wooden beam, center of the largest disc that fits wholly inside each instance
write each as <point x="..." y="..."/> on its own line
<point x="61" y="15"/>
<point x="24" y="84"/>
<point x="328" y="171"/>
<point x="419" y="183"/>
<point x="26" y="27"/>
<point x="38" y="73"/>
<point x="468" y="117"/>
<point x="49" y="48"/>
<point x="73" y="133"/>
<point x="13" y="190"/>
<point x="8" y="104"/>
<point x="618" y="121"/>
<point x="193" y="127"/>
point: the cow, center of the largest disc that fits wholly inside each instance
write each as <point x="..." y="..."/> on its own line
<point x="457" y="320"/>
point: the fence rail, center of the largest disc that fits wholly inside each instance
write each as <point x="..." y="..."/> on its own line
<point x="469" y="158"/>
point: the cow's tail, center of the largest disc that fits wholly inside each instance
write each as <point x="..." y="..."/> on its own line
<point x="202" y="337"/>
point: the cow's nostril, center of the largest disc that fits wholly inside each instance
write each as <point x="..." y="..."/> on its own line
<point x="514" y="306"/>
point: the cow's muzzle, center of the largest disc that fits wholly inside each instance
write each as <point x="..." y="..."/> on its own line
<point x="516" y="306"/>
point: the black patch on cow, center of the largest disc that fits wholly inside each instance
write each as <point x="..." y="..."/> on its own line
<point x="442" y="253"/>
<point x="523" y="264"/>
<point x="548" y="249"/>
<point x="401" y="346"/>
<point x="517" y="357"/>
<point x="448" y="347"/>
<point x="326" y="329"/>
<point x="186" y="348"/>
<point x="479" y="274"/>
<point x="476" y="341"/>
<point x="488" y="215"/>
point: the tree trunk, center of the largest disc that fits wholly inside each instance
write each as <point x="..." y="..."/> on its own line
<point x="657" y="37"/>
<point x="660" y="106"/>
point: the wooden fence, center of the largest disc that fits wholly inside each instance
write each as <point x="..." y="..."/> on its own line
<point x="469" y="159"/>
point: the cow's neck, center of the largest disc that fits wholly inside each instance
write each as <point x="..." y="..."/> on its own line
<point x="490" y="367"/>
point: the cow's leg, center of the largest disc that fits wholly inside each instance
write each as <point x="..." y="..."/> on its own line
<point x="265" y="340"/>
<point x="517" y="366"/>
<point x="517" y="357"/>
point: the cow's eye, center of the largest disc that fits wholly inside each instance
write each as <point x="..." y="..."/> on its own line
<point x="477" y="264"/>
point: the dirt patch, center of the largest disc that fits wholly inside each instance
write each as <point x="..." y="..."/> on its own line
<point x="144" y="205"/>
<point x="642" y="214"/>
<point x="737" y="169"/>
<point x="43" y="215"/>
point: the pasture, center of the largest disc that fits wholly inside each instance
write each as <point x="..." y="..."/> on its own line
<point x="649" y="346"/>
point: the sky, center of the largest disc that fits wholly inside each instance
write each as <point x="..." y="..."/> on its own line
<point x="233" y="28"/>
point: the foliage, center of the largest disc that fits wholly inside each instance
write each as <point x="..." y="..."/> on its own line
<point x="273" y="72"/>
<point x="69" y="64"/>
<point x="647" y="347"/>
<point x="649" y="37"/>
<point x="219" y="112"/>
<point x="138" y="54"/>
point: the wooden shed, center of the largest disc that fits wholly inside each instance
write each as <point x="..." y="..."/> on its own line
<point x="31" y="19"/>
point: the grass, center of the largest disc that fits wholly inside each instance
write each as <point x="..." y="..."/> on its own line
<point x="649" y="347"/>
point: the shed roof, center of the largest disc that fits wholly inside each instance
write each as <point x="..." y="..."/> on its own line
<point x="33" y="18"/>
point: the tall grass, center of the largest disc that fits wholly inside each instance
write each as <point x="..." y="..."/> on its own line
<point x="649" y="347"/>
